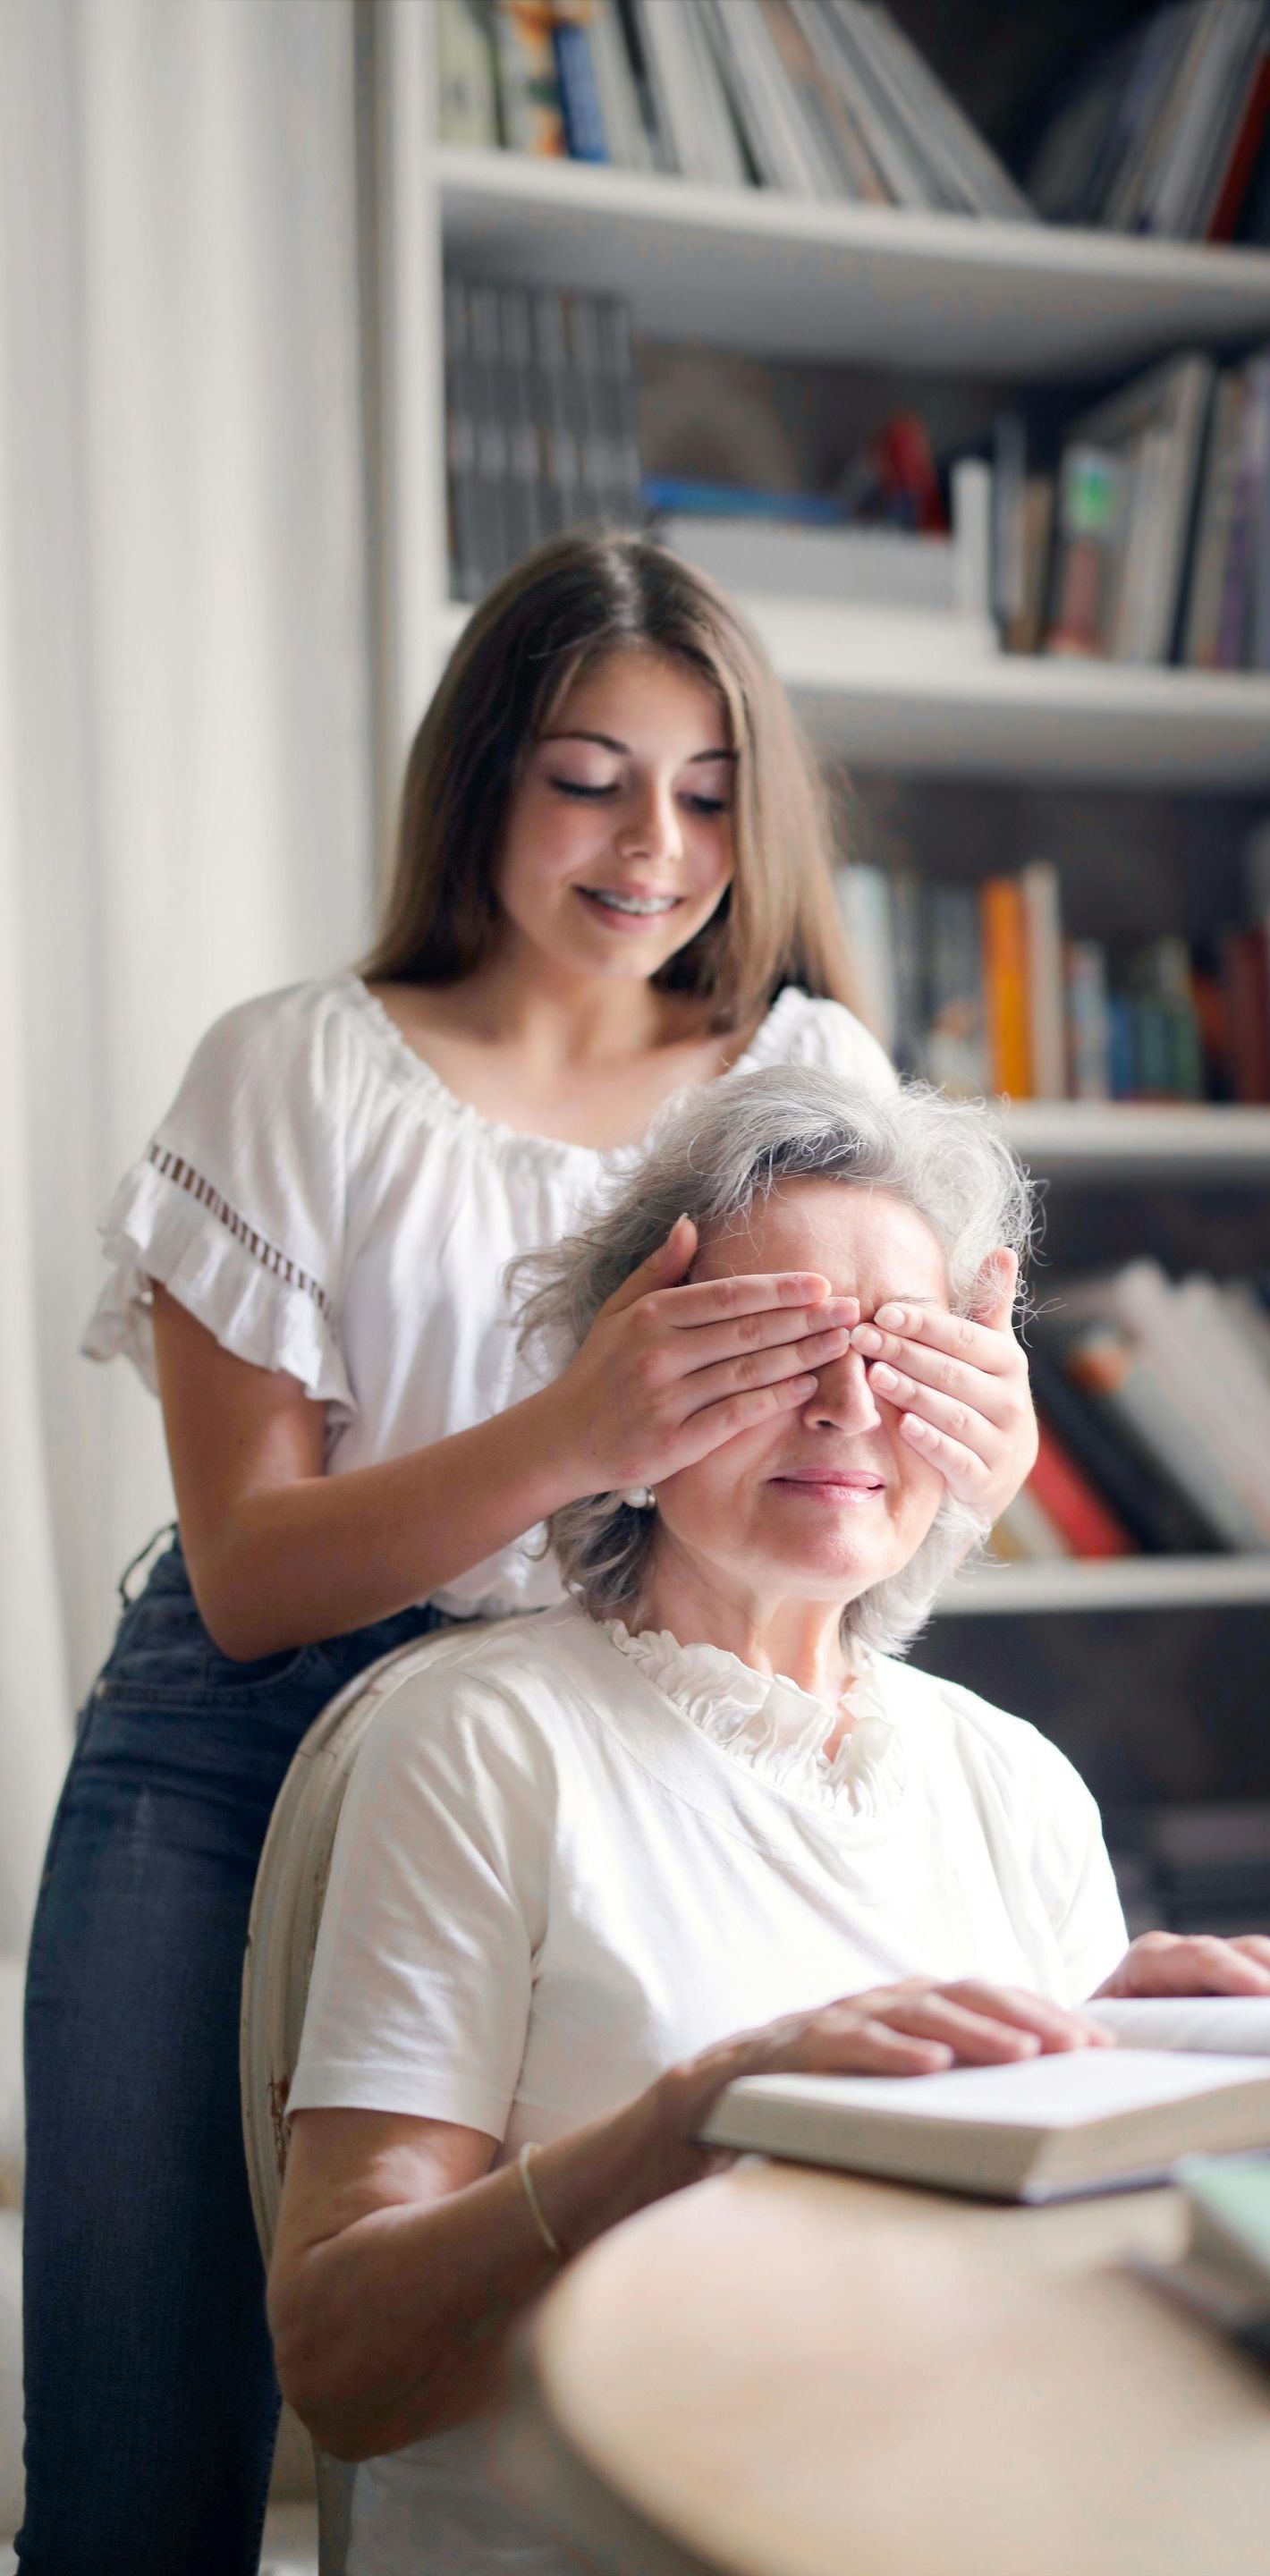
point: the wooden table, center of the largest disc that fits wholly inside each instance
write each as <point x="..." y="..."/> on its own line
<point x="791" y="2373"/>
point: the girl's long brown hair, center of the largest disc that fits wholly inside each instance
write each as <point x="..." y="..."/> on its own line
<point x="569" y="604"/>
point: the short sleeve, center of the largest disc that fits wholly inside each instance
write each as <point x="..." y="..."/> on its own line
<point x="829" y="1035"/>
<point x="436" y="1907"/>
<point x="237" y="1205"/>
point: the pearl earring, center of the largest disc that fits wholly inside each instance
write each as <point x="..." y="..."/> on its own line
<point x="638" y="1498"/>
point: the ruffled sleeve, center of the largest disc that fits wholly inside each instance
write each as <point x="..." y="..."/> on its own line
<point x="829" y="1035"/>
<point x="237" y="1205"/>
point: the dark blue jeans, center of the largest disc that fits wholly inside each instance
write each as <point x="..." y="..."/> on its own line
<point x="151" y="2403"/>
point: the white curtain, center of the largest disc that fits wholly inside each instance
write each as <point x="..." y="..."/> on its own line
<point x="185" y="790"/>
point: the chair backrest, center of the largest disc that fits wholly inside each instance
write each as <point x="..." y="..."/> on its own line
<point x="286" y="1911"/>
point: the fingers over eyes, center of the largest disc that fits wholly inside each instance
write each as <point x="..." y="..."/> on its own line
<point x="711" y="1301"/>
<point x="952" y="1410"/>
<point x="934" y="1330"/>
<point x="765" y="1329"/>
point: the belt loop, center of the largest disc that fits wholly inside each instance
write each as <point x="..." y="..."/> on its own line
<point x="168" y="1532"/>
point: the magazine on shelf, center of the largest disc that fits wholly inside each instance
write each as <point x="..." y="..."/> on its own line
<point x="1165" y="131"/>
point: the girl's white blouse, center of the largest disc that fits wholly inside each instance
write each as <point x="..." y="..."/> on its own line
<point x="320" y="1200"/>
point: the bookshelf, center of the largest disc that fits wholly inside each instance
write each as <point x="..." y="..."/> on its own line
<point x="869" y="687"/>
<point x="749" y="269"/>
<point x="1096" y="1140"/>
<point x="752" y="271"/>
<point x="1118" y="1583"/>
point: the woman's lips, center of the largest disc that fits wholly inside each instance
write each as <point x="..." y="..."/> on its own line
<point x="833" y="1484"/>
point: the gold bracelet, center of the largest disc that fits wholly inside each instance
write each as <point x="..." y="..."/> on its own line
<point x="540" y="2219"/>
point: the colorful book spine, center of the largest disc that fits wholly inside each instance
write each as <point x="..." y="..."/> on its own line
<point x="1005" y="986"/>
<point x="578" y="87"/>
<point x="528" y="78"/>
<point x="1087" y="1522"/>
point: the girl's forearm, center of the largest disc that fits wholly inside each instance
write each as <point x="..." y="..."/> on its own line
<point x="393" y="2329"/>
<point x="321" y="1555"/>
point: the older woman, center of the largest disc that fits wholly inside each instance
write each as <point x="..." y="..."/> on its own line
<point x="699" y="1822"/>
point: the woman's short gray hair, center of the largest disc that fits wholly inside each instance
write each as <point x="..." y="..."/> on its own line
<point x="713" y="1153"/>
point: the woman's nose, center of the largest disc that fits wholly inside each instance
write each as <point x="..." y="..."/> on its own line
<point x="651" y="829"/>
<point x="844" y="1399"/>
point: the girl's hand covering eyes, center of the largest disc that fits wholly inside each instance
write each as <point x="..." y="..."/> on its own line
<point x="961" y="1389"/>
<point x="667" y="1373"/>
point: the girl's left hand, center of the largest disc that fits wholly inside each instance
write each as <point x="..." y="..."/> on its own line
<point x="1197" y="1963"/>
<point x="960" y="1387"/>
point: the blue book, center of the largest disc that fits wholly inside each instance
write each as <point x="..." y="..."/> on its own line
<point x="677" y="492"/>
<point x="579" y="96"/>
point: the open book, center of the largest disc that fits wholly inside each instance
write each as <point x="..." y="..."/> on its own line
<point x="1188" y="2076"/>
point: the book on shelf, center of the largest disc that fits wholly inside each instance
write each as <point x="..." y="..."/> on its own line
<point x="541" y="430"/>
<point x="1126" y="492"/>
<point x="1175" y="2084"/>
<point x="1159" y="1390"/>
<point x="1156" y="1510"/>
<point x="827" y="100"/>
<point x="996" y="996"/>
<point x="1085" y="1521"/>
<point x="1148" y="541"/>
<point x="1165" y="130"/>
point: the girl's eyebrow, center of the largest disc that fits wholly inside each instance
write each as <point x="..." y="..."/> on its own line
<point x="580" y="733"/>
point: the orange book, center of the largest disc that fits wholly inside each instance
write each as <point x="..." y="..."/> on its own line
<point x="1088" y="1524"/>
<point x="1005" y="985"/>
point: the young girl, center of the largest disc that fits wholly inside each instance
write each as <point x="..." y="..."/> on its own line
<point x="612" y="882"/>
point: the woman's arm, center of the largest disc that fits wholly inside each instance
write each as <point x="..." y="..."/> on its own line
<point x="281" y="1554"/>
<point x="401" y="2260"/>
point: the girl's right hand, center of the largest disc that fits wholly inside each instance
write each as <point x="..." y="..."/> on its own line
<point x="667" y="1373"/>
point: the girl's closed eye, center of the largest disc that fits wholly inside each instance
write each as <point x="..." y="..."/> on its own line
<point x="577" y="787"/>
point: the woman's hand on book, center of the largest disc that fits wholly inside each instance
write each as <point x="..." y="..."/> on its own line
<point x="960" y="1385"/>
<point x="915" y="2027"/>
<point x="667" y="1373"/>
<point x="1193" y="1963"/>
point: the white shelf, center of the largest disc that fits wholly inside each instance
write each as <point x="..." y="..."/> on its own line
<point x="1111" y="1583"/>
<point x="869" y="690"/>
<point x="876" y="285"/>
<point x="1096" y="1140"/>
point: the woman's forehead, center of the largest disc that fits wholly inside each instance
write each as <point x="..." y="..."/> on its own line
<point x="857" y="1235"/>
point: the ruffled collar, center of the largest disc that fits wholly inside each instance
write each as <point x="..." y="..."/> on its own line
<point x="773" y="1725"/>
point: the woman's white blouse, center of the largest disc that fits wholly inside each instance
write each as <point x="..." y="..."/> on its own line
<point x="569" y="1858"/>
<point x="320" y="1200"/>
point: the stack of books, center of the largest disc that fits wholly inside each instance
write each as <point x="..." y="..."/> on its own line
<point x="825" y="99"/>
<point x="1151" y="542"/>
<point x="1169" y="131"/>
<point x="541" y="427"/>
<point x="979" y="989"/>
<point x="1224" y="2275"/>
<point x="1153" y="1397"/>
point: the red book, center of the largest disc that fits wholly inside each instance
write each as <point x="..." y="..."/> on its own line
<point x="1246" y="987"/>
<point x="1233" y="186"/>
<point x="1088" y="1524"/>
